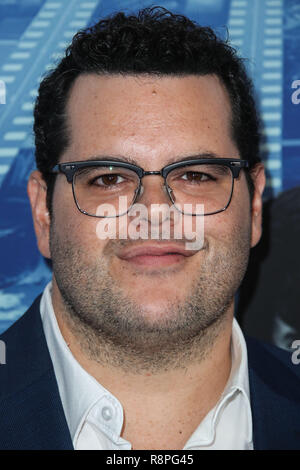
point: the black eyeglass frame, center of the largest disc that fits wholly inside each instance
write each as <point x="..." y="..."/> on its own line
<point x="69" y="169"/>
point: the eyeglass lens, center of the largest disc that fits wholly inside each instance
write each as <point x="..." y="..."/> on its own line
<point x="110" y="190"/>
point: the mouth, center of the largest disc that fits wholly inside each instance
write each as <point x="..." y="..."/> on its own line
<point x="156" y="260"/>
<point x="155" y="255"/>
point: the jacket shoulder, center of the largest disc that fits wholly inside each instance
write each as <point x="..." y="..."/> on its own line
<point x="16" y="328"/>
<point x="274" y="394"/>
<point x="31" y="412"/>
<point x="24" y="342"/>
<point x="259" y="352"/>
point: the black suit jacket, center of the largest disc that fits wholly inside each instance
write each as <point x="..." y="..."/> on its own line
<point x="32" y="416"/>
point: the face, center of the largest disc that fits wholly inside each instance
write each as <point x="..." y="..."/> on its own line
<point x="146" y="301"/>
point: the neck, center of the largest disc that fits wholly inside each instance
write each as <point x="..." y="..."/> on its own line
<point x="176" y="397"/>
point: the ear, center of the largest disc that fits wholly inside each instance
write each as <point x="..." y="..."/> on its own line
<point x="37" y="191"/>
<point x="259" y="181"/>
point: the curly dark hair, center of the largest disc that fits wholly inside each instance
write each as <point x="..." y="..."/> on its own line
<point x="154" y="41"/>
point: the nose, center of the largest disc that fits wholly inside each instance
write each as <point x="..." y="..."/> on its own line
<point x="154" y="196"/>
<point x="153" y="191"/>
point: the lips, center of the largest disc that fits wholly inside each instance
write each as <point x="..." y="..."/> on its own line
<point x="162" y="254"/>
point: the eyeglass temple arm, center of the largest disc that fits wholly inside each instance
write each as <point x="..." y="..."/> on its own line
<point x="236" y="167"/>
<point x="68" y="171"/>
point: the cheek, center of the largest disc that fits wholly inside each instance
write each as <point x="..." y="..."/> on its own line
<point x="232" y="227"/>
<point x="63" y="203"/>
<point x="73" y="227"/>
<point x="239" y="211"/>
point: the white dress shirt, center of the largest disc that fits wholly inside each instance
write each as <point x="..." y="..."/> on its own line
<point x="95" y="416"/>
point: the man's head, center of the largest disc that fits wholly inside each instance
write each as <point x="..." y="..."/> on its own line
<point x="152" y="42"/>
<point x="149" y="89"/>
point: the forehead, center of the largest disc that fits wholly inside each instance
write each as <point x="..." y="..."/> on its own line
<point x="151" y="116"/>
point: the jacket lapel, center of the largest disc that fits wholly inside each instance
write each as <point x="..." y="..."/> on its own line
<point x="31" y="412"/>
<point x="275" y="397"/>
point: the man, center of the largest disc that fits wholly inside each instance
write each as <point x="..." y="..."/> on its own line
<point x="133" y="345"/>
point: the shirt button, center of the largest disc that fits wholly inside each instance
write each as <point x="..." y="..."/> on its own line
<point x="106" y="413"/>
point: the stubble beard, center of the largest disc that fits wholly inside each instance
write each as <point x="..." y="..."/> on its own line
<point x="115" y="331"/>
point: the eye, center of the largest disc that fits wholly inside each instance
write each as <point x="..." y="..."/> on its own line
<point x="108" y="180"/>
<point x="196" y="176"/>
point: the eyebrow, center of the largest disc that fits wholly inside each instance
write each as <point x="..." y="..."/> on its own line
<point x="132" y="161"/>
<point x="197" y="156"/>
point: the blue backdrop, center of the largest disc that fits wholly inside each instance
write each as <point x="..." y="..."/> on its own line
<point x="33" y="34"/>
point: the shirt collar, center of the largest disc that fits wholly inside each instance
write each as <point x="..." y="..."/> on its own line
<point x="238" y="383"/>
<point x="83" y="397"/>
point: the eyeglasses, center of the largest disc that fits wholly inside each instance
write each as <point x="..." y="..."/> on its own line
<point x="188" y="183"/>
